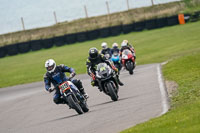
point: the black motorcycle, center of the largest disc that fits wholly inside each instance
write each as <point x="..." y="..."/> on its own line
<point x="107" y="80"/>
<point x="73" y="98"/>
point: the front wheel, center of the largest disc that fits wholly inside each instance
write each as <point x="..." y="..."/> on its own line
<point x="112" y="92"/>
<point x="84" y="106"/>
<point x="130" y="67"/>
<point x="74" y="104"/>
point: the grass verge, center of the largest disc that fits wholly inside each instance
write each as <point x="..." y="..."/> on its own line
<point x="184" y="114"/>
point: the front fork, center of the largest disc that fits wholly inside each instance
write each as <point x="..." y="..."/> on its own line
<point x="124" y="61"/>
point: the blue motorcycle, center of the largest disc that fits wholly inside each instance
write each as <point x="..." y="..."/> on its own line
<point x="116" y="60"/>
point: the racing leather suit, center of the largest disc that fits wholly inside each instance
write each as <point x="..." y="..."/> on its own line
<point x="92" y="64"/>
<point x="106" y="51"/>
<point x="57" y="77"/>
<point x="131" y="48"/>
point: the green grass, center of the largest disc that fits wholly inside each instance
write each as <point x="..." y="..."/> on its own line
<point x="151" y="46"/>
<point x="184" y="116"/>
<point x="191" y="6"/>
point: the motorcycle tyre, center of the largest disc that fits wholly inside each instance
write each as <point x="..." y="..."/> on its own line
<point x="130" y="67"/>
<point x="112" y="92"/>
<point x="84" y="107"/>
<point x="74" y="104"/>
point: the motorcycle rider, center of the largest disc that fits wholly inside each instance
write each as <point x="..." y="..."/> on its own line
<point x="56" y="74"/>
<point x="125" y="45"/>
<point x="115" y="48"/>
<point x="106" y="50"/>
<point x="93" y="60"/>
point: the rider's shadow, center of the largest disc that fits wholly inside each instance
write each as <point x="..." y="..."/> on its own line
<point x="66" y="117"/>
<point x="102" y="104"/>
<point x="58" y="119"/>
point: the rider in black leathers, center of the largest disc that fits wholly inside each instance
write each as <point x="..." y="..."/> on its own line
<point x="55" y="75"/>
<point x="106" y="50"/>
<point x="93" y="60"/>
<point x="115" y="48"/>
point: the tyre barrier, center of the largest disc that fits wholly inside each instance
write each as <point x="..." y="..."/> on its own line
<point x="36" y="45"/>
<point x="139" y="26"/>
<point x="115" y="30"/>
<point x="127" y="28"/>
<point x="173" y="20"/>
<point x="47" y="43"/>
<point x="23" y="47"/>
<point x="12" y="49"/>
<point x="195" y="17"/>
<point x="151" y="24"/>
<point x="161" y="22"/>
<point x="104" y="32"/>
<point x="3" y="52"/>
<point x="59" y="40"/>
<point x="81" y="36"/>
<point x="70" y="38"/>
<point x="94" y="34"/>
<point x="187" y="17"/>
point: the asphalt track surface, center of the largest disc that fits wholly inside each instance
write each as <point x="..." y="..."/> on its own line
<point x="29" y="108"/>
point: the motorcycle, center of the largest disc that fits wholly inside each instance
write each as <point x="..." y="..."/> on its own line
<point x="73" y="98"/>
<point x="107" y="56"/>
<point x="107" y="81"/>
<point x="116" y="60"/>
<point x="128" y="60"/>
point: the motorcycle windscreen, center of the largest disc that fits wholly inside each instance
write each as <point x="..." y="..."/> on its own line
<point x="103" y="69"/>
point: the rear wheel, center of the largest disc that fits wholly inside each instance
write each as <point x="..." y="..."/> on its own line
<point x="112" y="92"/>
<point x="74" y="104"/>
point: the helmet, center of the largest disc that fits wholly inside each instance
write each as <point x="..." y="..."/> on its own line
<point x="115" y="45"/>
<point x="50" y="65"/>
<point x="93" y="53"/>
<point x="104" y="45"/>
<point x="124" y="43"/>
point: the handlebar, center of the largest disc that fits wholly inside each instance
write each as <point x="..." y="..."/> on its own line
<point x="70" y="78"/>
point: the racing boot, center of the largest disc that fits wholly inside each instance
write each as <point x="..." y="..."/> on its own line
<point x="94" y="83"/>
<point x="82" y="91"/>
<point x="79" y="85"/>
<point x="118" y="81"/>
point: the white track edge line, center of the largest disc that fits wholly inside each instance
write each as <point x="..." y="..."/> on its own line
<point x="164" y="98"/>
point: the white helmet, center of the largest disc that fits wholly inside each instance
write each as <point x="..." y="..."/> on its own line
<point x="104" y="45"/>
<point x="50" y="65"/>
<point x="115" y="45"/>
<point x="124" y="43"/>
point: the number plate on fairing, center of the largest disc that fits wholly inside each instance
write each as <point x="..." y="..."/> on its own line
<point x="64" y="86"/>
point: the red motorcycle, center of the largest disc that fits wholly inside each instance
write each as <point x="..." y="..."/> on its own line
<point x="128" y="60"/>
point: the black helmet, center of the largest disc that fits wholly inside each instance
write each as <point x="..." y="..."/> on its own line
<point x="93" y="53"/>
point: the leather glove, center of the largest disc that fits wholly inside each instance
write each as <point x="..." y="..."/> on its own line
<point x="116" y="70"/>
<point x="50" y="89"/>
<point x="92" y="82"/>
<point x="72" y="74"/>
